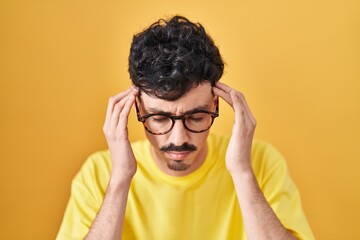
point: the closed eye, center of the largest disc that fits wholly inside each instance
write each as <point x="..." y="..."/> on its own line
<point x="195" y="119"/>
<point x="159" y="119"/>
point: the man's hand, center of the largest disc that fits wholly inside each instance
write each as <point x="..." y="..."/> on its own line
<point x="109" y="221"/>
<point x="238" y="155"/>
<point x="116" y="132"/>
<point x="259" y="219"/>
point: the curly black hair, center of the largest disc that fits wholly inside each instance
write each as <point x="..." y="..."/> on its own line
<point x="172" y="56"/>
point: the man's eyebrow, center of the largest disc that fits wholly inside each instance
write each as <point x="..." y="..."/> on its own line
<point x="154" y="110"/>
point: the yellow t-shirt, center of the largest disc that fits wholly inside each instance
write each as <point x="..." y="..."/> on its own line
<point x="201" y="205"/>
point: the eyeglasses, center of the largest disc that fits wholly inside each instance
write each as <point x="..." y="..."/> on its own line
<point x="196" y="121"/>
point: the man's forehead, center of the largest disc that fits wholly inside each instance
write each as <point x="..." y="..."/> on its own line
<point x="200" y="96"/>
<point x="202" y="90"/>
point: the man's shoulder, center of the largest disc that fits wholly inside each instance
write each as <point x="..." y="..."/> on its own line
<point x="263" y="154"/>
<point x="102" y="157"/>
<point x="99" y="158"/>
<point x="258" y="146"/>
<point x="97" y="164"/>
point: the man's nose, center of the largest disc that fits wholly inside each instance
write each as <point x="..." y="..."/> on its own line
<point x="179" y="134"/>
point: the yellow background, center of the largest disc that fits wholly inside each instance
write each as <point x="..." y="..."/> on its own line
<point x="297" y="62"/>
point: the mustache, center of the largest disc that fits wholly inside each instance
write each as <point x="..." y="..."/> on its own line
<point x="185" y="147"/>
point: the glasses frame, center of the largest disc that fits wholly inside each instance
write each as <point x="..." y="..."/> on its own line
<point x="174" y="118"/>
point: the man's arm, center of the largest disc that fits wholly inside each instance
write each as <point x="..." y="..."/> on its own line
<point x="110" y="218"/>
<point x="259" y="219"/>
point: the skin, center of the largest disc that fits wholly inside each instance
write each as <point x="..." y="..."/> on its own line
<point x="200" y="96"/>
<point x="259" y="219"/>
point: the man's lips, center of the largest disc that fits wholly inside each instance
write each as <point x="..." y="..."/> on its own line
<point x="178" y="155"/>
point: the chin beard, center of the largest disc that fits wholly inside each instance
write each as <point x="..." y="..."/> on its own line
<point x="178" y="166"/>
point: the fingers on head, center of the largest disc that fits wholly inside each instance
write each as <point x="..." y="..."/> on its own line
<point x="118" y="107"/>
<point x="114" y="99"/>
<point x="218" y="92"/>
<point x="224" y="95"/>
<point x="236" y="97"/>
<point x="223" y="86"/>
<point x="236" y="100"/>
<point x="246" y="112"/>
<point x="123" y="119"/>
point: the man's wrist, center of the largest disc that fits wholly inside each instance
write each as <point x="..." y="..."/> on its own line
<point x="120" y="180"/>
<point x="243" y="175"/>
<point x="241" y="169"/>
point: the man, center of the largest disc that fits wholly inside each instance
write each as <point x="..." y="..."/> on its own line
<point x="182" y="182"/>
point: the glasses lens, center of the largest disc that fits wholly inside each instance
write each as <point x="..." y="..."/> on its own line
<point x="198" y="122"/>
<point x="158" y="124"/>
<point x="161" y="124"/>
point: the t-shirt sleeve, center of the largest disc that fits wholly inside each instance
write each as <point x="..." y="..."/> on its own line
<point x="87" y="193"/>
<point x="280" y="191"/>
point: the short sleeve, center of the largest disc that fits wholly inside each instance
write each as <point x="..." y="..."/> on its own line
<point x="87" y="193"/>
<point x="280" y="191"/>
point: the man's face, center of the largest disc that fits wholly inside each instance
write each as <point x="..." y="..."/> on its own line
<point x="179" y="152"/>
